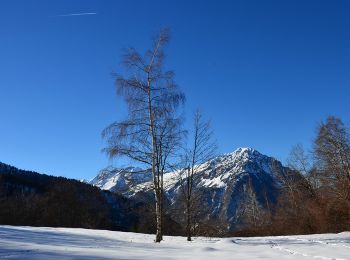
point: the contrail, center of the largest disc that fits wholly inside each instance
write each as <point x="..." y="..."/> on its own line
<point x="77" y="14"/>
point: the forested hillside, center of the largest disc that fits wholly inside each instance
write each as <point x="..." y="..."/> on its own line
<point x="30" y="198"/>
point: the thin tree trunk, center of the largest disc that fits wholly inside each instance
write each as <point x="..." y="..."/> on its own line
<point x="188" y="205"/>
<point x="157" y="190"/>
<point x="159" y="234"/>
<point x="161" y="204"/>
<point x="188" y="226"/>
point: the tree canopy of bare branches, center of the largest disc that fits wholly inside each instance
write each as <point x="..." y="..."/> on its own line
<point x="152" y="130"/>
<point x="203" y="148"/>
<point x="332" y="149"/>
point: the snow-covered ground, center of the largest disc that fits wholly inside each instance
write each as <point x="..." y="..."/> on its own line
<point x="68" y="243"/>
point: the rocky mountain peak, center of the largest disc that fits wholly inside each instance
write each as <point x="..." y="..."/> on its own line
<point x="223" y="180"/>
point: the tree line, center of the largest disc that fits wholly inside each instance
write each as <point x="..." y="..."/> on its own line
<point x="32" y="199"/>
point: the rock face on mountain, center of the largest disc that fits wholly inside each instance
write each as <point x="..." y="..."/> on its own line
<point x="228" y="186"/>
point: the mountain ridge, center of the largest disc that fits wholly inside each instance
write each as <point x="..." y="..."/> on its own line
<point x="227" y="183"/>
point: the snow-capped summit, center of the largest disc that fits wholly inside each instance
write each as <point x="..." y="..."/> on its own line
<point x="120" y="179"/>
<point x="226" y="182"/>
<point x="231" y="165"/>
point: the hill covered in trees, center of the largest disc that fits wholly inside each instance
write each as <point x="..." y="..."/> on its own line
<point x="33" y="199"/>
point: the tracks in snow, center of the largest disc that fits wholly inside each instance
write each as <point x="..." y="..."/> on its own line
<point x="280" y="247"/>
<point x="321" y="242"/>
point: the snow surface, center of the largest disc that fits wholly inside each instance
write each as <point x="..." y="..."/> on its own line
<point x="70" y="243"/>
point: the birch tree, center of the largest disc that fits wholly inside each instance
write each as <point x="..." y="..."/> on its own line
<point x="152" y="130"/>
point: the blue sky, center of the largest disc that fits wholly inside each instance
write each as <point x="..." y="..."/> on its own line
<point x="265" y="72"/>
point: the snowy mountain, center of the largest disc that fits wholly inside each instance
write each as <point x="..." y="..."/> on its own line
<point x="228" y="185"/>
<point x="121" y="180"/>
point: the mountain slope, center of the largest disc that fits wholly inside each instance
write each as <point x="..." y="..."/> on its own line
<point x="228" y="186"/>
<point x="120" y="180"/>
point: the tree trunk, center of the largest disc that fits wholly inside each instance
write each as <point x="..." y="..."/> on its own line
<point x="188" y="226"/>
<point x="157" y="187"/>
<point x="159" y="233"/>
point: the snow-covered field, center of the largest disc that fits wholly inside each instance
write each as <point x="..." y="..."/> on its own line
<point x="69" y="243"/>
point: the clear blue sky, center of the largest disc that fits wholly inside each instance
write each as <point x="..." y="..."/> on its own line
<point x="265" y="72"/>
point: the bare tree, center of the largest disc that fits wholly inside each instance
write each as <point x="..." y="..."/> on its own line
<point x="152" y="130"/>
<point x="332" y="149"/>
<point x="298" y="160"/>
<point x="202" y="150"/>
<point x="302" y="162"/>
